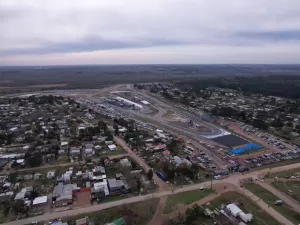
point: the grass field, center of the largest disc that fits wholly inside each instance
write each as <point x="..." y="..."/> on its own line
<point x="283" y="174"/>
<point x="286" y="187"/>
<point x="185" y="198"/>
<point x="144" y="212"/>
<point x="260" y="217"/>
<point x="270" y="198"/>
<point x="118" y="151"/>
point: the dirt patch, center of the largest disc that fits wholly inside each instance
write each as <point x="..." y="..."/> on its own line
<point x="82" y="199"/>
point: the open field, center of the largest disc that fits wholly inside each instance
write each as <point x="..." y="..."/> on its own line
<point x="291" y="188"/>
<point x="270" y="198"/>
<point x="260" y="217"/>
<point x="143" y="213"/>
<point x="283" y="174"/>
<point x="185" y="198"/>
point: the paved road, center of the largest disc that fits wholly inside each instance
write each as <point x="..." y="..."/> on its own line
<point x="233" y="180"/>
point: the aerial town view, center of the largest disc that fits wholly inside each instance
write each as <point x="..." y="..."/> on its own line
<point x="117" y="130"/>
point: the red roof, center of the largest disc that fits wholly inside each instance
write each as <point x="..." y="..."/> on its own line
<point x="166" y="152"/>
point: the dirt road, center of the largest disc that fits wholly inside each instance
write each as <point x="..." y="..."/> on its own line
<point x="234" y="180"/>
<point x="162" y="185"/>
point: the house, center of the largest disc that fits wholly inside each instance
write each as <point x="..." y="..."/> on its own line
<point x="119" y="221"/>
<point x="101" y="187"/>
<point x="98" y="170"/>
<point x="89" y="152"/>
<point x="64" y="144"/>
<point x="179" y="161"/>
<point x="117" y="186"/>
<point x="157" y="148"/>
<point x="166" y="153"/>
<point x="112" y="147"/>
<point x="40" y="201"/>
<point x="63" y="194"/>
<point x="20" y="196"/>
<point x="20" y="162"/>
<point x="28" y="177"/>
<point x="237" y="212"/>
<point x="37" y="176"/>
<point x="6" y="196"/>
<point x="119" y="176"/>
<point x="82" y="221"/>
<point x="50" y="175"/>
<point x="75" y="151"/>
<point x="125" y="162"/>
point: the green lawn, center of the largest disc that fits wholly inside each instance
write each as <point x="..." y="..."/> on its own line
<point x="111" y="172"/>
<point x="283" y="174"/>
<point x="293" y="186"/>
<point x="260" y="217"/>
<point x="118" y="151"/>
<point x="270" y="198"/>
<point x="143" y="213"/>
<point x="185" y="198"/>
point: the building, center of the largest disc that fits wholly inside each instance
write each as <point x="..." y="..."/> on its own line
<point x="4" y="197"/>
<point x="98" y="170"/>
<point x="63" y="194"/>
<point x="50" y="175"/>
<point x="117" y="186"/>
<point x="20" y="196"/>
<point x="40" y="201"/>
<point x="125" y="162"/>
<point x="112" y="147"/>
<point x="101" y="187"/>
<point x="237" y="212"/>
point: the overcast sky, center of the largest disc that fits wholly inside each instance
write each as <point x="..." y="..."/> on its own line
<point x="66" y="32"/>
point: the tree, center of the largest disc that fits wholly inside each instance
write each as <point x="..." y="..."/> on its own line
<point x="35" y="160"/>
<point x="19" y="207"/>
<point x="150" y="174"/>
<point x="116" y="127"/>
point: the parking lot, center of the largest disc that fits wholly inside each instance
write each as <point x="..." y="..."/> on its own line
<point x="272" y="158"/>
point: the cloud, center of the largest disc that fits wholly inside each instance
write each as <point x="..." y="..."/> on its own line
<point x="37" y="27"/>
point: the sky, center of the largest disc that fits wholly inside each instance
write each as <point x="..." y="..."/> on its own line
<point x="76" y="32"/>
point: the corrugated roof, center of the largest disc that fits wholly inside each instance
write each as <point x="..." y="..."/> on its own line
<point x="119" y="221"/>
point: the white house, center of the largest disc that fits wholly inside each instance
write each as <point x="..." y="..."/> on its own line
<point x="112" y="147"/>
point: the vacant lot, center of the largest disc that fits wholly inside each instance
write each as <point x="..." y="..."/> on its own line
<point x="185" y="198"/>
<point x="270" y="198"/>
<point x="291" y="188"/>
<point x="260" y="217"/>
<point x="83" y="199"/>
<point x="141" y="213"/>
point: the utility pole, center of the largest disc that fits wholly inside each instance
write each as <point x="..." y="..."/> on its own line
<point x="211" y="179"/>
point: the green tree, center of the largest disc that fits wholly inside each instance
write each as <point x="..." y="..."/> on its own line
<point x="150" y="174"/>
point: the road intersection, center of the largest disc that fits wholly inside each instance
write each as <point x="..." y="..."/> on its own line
<point x="165" y="190"/>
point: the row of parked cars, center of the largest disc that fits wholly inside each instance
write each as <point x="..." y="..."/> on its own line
<point x="266" y="136"/>
<point x="272" y="158"/>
